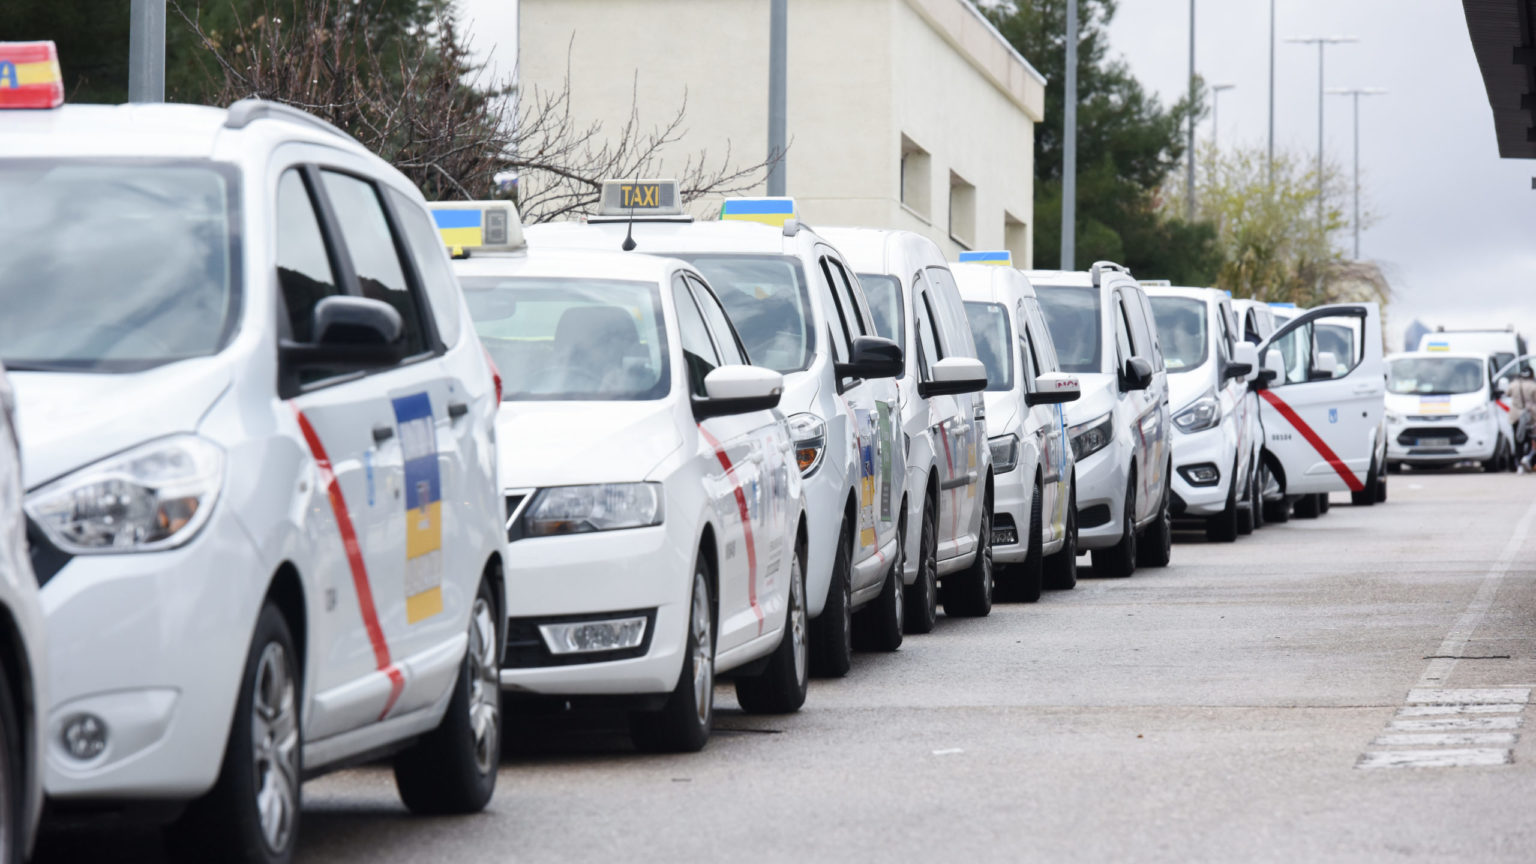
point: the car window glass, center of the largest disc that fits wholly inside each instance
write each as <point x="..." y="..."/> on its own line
<point x="951" y="312"/>
<point x="1031" y="356"/>
<point x="929" y="349"/>
<point x="842" y="342"/>
<point x="990" y="332"/>
<point x="372" y="247"/>
<point x="1125" y="350"/>
<point x="1143" y="331"/>
<point x="1040" y="337"/>
<point x="1072" y="314"/>
<point x="432" y="263"/>
<point x="768" y="301"/>
<point x="842" y="286"/>
<point x="1181" y="328"/>
<point x="1340" y="335"/>
<point x="698" y="350"/>
<point x="883" y="293"/>
<point x="719" y="326"/>
<point x="1295" y="349"/>
<point x="303" y="268"/>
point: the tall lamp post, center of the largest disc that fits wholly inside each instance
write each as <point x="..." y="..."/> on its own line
<point x="1189" y="203"/>
<point x="146" y="51"/>
<point x="1321" y="42"/>
<point x="1355" y="93"/>
<point x="1069" y="146"/>
<point x="778" y="64"/>
<point x="1216" y="91"/>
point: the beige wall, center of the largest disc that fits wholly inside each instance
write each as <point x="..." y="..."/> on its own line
<point x="861" y="74"/>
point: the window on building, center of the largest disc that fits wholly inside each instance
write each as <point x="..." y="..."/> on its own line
<point x="916" y="185"/>
<point x="1016" y="239"/>
<point x="962" y="211"/>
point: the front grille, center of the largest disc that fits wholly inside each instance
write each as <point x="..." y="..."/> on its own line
<point x="526" y="648"/>
<point x="1093" y="517"/>
<point x="1411" y="436"/>
<point x="47" y="559"/>
<point x="1431" y="418"/>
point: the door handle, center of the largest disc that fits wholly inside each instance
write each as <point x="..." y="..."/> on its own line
<point x="457" y="410"/>
<point x="382" y="433"/>
<point x="1365" y="389"/>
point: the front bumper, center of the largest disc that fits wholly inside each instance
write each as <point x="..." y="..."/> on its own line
<point x="643" y="570"/>
<point x="154" y="645"/>
<point x="1012" y="497"/>
<point x="1101" y="483"/>
<point x="1202" y="448"/>
<point x="1464" y="442"/>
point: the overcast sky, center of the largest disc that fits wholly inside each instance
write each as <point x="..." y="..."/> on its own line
<point x="1456" y="226"/>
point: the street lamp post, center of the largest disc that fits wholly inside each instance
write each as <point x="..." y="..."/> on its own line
<point x="1190" y="179"/>
<point x="146" y="51"/>
<point x="1321" y="42"/>
<point x="778" y="64"/>
<point x="1216" y="91"/>
<point x="1270" y="165"/>
<point x="1355" y="93"/>
<point x="1069" y="146"/>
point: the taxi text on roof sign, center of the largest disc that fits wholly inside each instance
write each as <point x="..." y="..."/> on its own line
<point x="640" y="198"/>
<point x="1002" y="258"/>
<point x="769" y="211"/>
<point x="29" y="75"/>
<point x="483" y="225"/>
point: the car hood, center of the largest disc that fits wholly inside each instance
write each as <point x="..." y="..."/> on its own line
<point x="1097" y="399"/>
<point x="1434" y="405"/>
<point x="1004" y="409"/>
<point x="568" y="443"/>
<point x="67" y="420"/>
<point x="1186" y="387"/>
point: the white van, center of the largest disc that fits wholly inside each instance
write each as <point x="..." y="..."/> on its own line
<point x="1215" y="454"/>
<point x="1036" y="510"/>
<point x="1441" y="409"/>
<point x="1103" y="330"/>
<point x="916" y="304"/>
<point x="1502" y="345"/>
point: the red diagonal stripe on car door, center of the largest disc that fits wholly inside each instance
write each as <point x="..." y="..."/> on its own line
<point x="1314" y="439"/>
<point x="746" y="524"/>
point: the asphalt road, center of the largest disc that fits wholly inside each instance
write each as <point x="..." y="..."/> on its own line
<point x="1217" y="710"/>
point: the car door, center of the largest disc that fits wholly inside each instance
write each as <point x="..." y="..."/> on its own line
<point x="942" y="418"/>
<point x="969" y="432"/>
<point x="1322" y="426"/>
<point x="1142" y="424"/>
<point x="1156" y="419"/>
<point x="1046" y="425"/>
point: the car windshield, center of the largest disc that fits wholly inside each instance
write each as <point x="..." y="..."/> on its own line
<point x="1181" y="330"/>
<point x="1434" y="375"/>
<point x="1072" y="314"/>
<point x="116" y="266"/>
<point x="585" y="340"/>
<point x="767" y="299"/>
<point x="884" y="295"/>
<point x="994" y="340"/>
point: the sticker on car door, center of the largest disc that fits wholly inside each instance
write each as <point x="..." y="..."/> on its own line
<point x="423" y="507"/>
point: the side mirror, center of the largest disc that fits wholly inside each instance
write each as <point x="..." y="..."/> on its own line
<point x="351" y="334"/>
<point x="954" y="375"/>
<point x="1245" y="362"/>
<point x="1325" y="366"/>
<point x="1500" y="387"/>
<point x="1137" y="374"/>
<point x="739" y="390"/>
<point x="1054" y="388"/>
<point x="873" y="357"/>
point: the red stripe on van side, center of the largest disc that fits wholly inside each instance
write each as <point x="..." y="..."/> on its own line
<point x="1312" y="437"/>
<point x="746" y="525"/>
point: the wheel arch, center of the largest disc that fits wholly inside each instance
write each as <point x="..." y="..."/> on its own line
<point x="286" y="591"/>
<point x="18" y="667"/>
<point x="709" y="550"/>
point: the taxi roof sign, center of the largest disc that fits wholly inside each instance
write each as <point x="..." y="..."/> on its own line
<point x="485" y="226"/>
<point x="29" y="75"/>
<point x="641" y="198"/>
<point x="1000" y="258"/>
<point x="768" y="211"/>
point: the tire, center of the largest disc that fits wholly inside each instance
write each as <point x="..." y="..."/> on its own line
<point x="1248" y="515"/>
<point x="879" y="626"/>
<point x="781" y="688"/>
<point x="1277" y="511"/>
<point x="13" y="789"/>
<point x="1495" y="463"/>
<point x="1367" y="496"/>
<point x="1059" y="571"/>
<point x="1029" y="577"/>
<point x="1155" y="547"/>
<point x="923" y="598"/>
<point x="1381" y="489"/>
<point x="452" y="769"/>
<point x="1323" y="503"/>
<point x="231" y="823"/>
<point x="968" y="593"/>
<point x="1394" y="467"/>
<point x="832" y="631"/>
<point x="683" y="724"/>
<point x="1256" y="494"/>
<point x="1222" y="528"/>
<point x="1307" y="507"/>
<point x="1119" y="560"/>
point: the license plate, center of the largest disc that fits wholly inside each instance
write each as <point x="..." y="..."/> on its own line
<point x="1434" y="442"/>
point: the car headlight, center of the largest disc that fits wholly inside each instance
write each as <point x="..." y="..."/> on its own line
<point x="152" y="497"/>
<point x="598" y="507"/>
<point x="810" y="436"/>
<point x="1091" y="437"/>
<point x="1005" y="453"/>
<point x="1202" y="414"/>
<point x="1393" y="417"/>
<point x="1478" y="414"/>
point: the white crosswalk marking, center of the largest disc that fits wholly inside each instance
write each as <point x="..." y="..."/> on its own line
<point x="1430" y="710"/>
<point x="1451" y="729"/>
<point x="1483" y="696"/>
<point x="1425" y="724"/>
<point x="1448" y="739"/>
<point x="1458" y="758"/>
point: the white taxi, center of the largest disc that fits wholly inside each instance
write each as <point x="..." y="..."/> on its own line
<point x="1442" y="409"/>
<point x="800" y="311"/>
<point x="655" y="535"/>
<point x="1036" y="520"/>
<point x="258" y="441"/>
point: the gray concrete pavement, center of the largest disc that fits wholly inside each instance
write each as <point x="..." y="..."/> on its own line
<point x="1212" y="711"/>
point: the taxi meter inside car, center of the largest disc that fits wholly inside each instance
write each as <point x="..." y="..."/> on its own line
<point x="258" y="450"/>
<point x="655" y="533"/>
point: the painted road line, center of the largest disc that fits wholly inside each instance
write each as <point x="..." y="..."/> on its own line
<point x="1428" y="724"/>
<point x="1459" y="758"/>
<point x="1481" y="696"/>
<point x="1447" y="739"/>
<point x="1430" y="710"/>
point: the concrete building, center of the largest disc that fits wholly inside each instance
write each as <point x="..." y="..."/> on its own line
<point x="911" y="114"/>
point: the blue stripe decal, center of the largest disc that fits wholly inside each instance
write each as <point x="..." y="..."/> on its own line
<point x="985" y="256"/>
<point x="759" y="207"/>
<point x="456" y="218"/>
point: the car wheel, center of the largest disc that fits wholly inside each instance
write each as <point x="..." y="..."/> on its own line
<point x="1060" y="570"/>
<point x="781" y="688"/>
<point x="1307" y="507"/>
<point x="1029" y="578"/>
<point x="1155" y="547"/>
<point x="879" y="627"/>
<point x="968" y="593"/>
<point x="923" y="598"/>
<point x="1222" y="528"/>
<point x="1323" y="503"/>
<point x="452" y="769"/>
<point x="1256" y="493"/>
<point x="12" y="790"/>
<point x="1381" y="488"/>
<point x="832" y="632"/>
<point x="1495" y="464"/>
<point x="1247" y="516"/>
<point x="1394" y="467"/>
<point x="1367" y="496"/>
<point x="684" y="722"/>
<point x="252" y="813"/>
<point x="1119" y="560"/>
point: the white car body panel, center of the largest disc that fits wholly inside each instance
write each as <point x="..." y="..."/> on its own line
<point x="1416" y="422"/>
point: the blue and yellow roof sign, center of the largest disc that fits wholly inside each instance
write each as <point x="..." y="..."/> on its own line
<point x="466" y="226"/>
<point x="1439" y="345"/>
<point x="768" y="211"/>
<point x="1001" y="258"/>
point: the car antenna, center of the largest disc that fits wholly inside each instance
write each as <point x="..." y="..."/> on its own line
<point x="629" y="234"/>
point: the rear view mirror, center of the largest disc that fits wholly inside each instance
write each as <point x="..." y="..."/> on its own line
<point x="739" y="390"/>
<point x="1324" y="366"/>
<point x="1500" y="387"/>
<point x="1054" y="388"/>
<point x="1137" y="375"/>
<point x="1245" y="362"/>
<point x="351" y="334"/>
<point x="954" y="375"/>
<point x="873" y="357"/>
